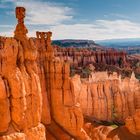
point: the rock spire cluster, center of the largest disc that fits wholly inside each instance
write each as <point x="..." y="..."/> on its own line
<point x="40" y="101"/>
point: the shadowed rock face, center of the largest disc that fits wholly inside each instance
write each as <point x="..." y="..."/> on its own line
<point x="130" y="131"/>
<point x="39" y="101"/>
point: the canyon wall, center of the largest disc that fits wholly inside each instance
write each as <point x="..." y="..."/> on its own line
<point x="107" y="97"/>
<point x="83" y="56"/>
<point x="20" y="98"/>
<point x="39" y="100"/>
<point x="64" y="112"/>
<point x="36" y="96"/>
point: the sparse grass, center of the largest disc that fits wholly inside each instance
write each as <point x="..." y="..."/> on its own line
<point x="114" y="126"/>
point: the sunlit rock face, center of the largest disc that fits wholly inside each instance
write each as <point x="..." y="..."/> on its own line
<point x="107" y="97"/>
<point x="35" y="89"/>
<point x="40" y="101"/>
<point x="60" y="111"/>
<point x="21" y="99"/>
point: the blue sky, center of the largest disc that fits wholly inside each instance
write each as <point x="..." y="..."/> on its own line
<point x="75" y="19"/>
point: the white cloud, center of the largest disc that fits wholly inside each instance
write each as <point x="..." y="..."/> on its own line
<point x="39" y="12"/>
<point x="100" y="29"/>
<point x="54" y="15"/>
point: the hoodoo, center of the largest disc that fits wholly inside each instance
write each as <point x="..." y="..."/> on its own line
<point x="40" y="101"/>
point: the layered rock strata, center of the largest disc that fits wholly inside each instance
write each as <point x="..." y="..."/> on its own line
<point x="39" y="100"/>
<point x="82" y="57"/>
<point x="107" y="98"/>
<point x="65" y="112"/>
<point x="35" y="89"/>
<point x="20" y="98"/>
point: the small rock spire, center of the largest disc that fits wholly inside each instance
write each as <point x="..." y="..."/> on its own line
<point x="21" y="30"/>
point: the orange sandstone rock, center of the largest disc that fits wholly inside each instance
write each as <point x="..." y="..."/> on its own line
<point x="20" y="100"/>
<point x="36" y="88"/>
<point x="110" y="57"/>
<point x="107" y="98"/>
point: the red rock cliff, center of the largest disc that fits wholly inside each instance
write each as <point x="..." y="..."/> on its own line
<point x="83" y="57"/>
<point x="39" y="100"/>
<point x="20" y="98"/>
<point x="36" y="89"/>
<point x="107" y="98"/>
<point x="64" y="111"/>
